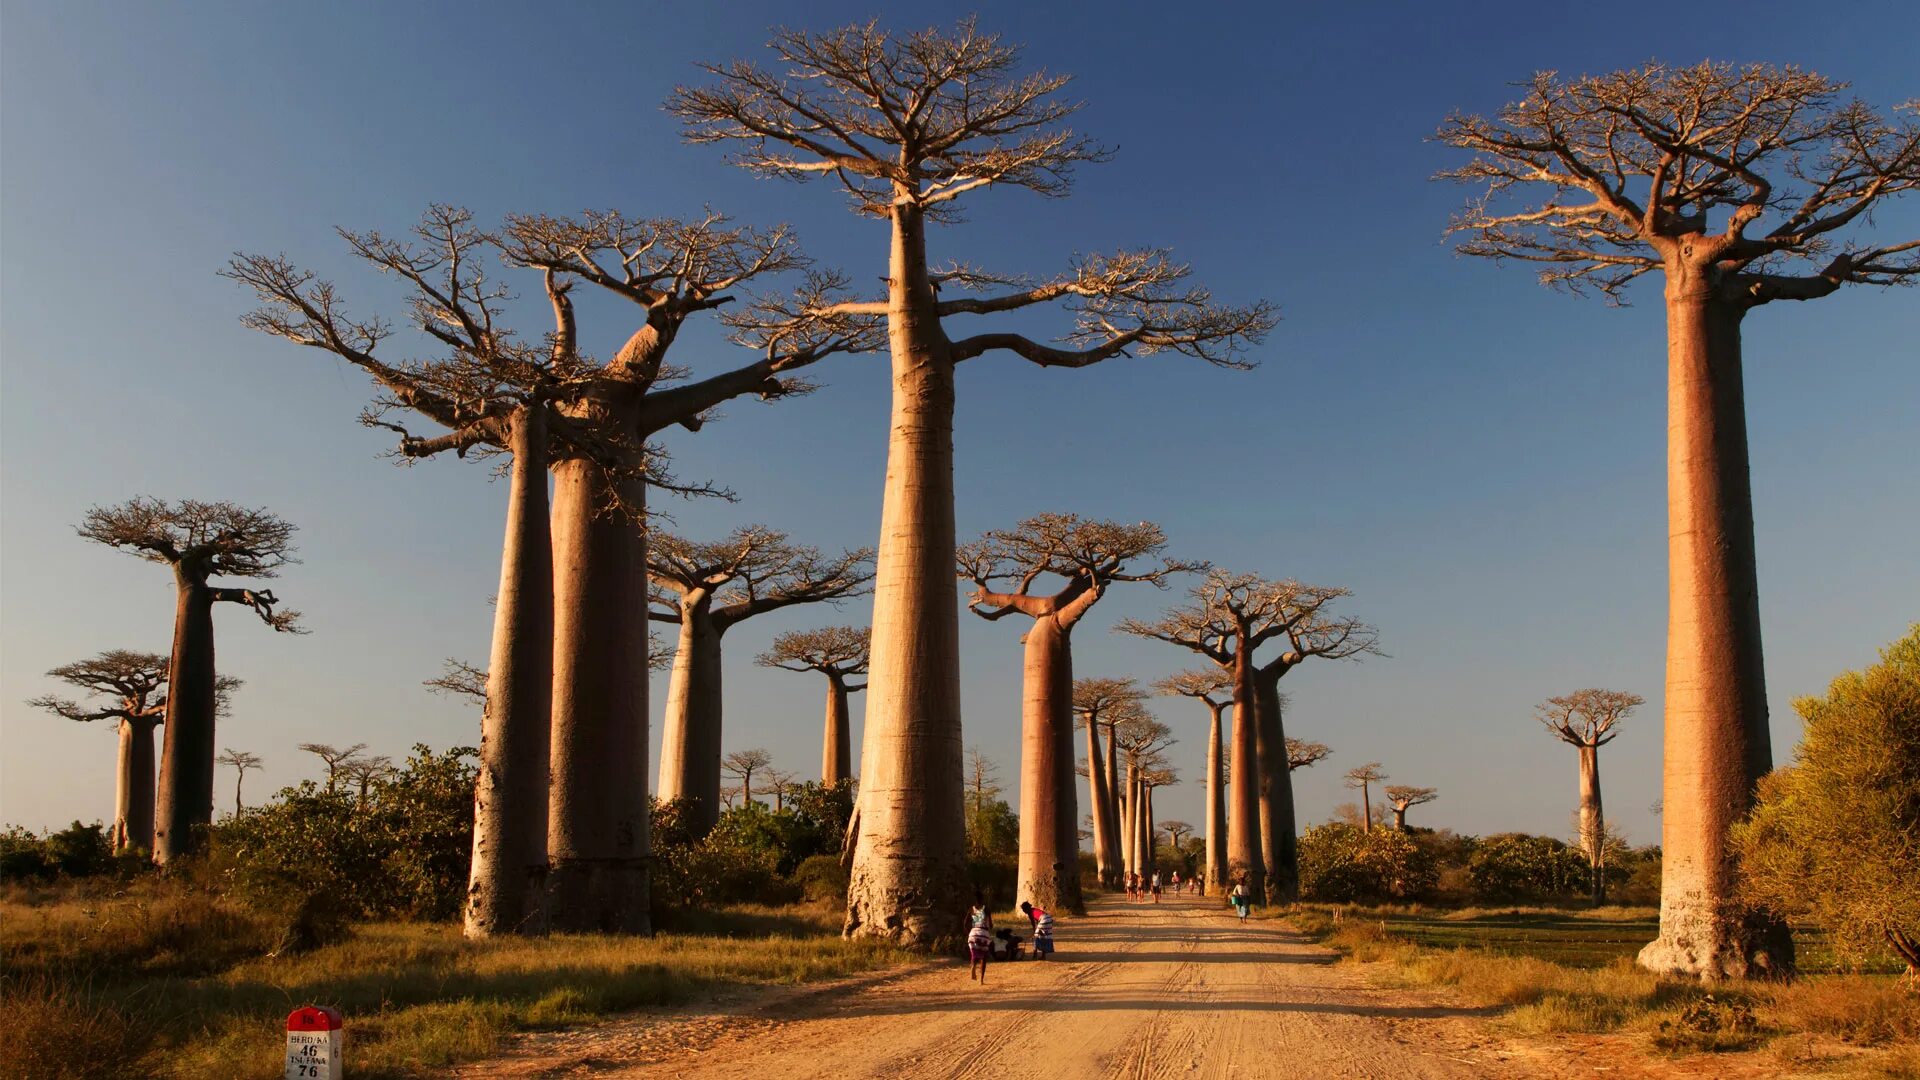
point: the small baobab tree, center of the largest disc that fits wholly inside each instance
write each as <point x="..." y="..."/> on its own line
<point x="1587" y="720"/>
<point x="337" y="759"/>
<point x="1362" y="778"/>
<point x="1740" y="186"/>
<point x="241" y="761"/>
<point x="838" y="652"/>
<point x="1213" y="688"/>
<point x="198" y="541"/>
<point x="1076" y="560"/>
<point x="1177" y="832"/>
<point x="779" y="782"/>
<point x="1104" y="704"/>
<point x="1229" y="618"/>
<point x="742" y="764"/>
<point x="908" y="125"/>
<point x="1401" y="798"/>
<point x="707" y="589"/>
<point x="1302" y="754"/>
<point x="363" y="772"/>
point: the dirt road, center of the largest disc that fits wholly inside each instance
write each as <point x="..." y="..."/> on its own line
<point x="1137" y="990"/>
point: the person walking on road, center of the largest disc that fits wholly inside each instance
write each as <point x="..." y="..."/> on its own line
<point x="1155" y="886"/>
<point x="979" y="939"/>
<point x="1242" y="897"/>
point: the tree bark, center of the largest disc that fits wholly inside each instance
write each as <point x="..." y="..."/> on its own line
<point x="1366" y="805"/>
<point x="1049" y="873"/>
<point x="1243" y="814"/>
<point x="598" y="839"/>
<point x="1399" y="819"/>
<point x="1593" y="829"/>
<point x="1717" y="745"/>
<point x="690" y="739"/>
<point x="836" y="745"/>
<point x="184" y="806"/>
<point x="1130" y="822"/>
<point x="1098" y="793"/>
<point x="133" y="787"/>
<point x="507" y="882"/>
<point x="1279" y="846"/>
<point x="1216" y="866"/>
<point x="1115" y="853"/>
<point x="909" y="878"/>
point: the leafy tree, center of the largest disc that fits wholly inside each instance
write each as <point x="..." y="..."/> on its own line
<point x="1341" y="863"/>
<point x="1836" y="835"/>
<point x="1516" y="866"/>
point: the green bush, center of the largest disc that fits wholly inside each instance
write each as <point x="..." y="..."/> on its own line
<point x="1515" y="866"/>
<point x="1340" y="863"/>
<point x="821" y="877"/>
<point x="76" y="851"/>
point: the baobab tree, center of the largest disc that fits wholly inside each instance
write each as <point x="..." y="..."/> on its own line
<point x="362" y="772"/>
<point x="1587" y="720"/>
<point x="838" y="652"/>
<point x="241" y="761"/>
<point x="741" y="765"/>
<point x="198" y="541"/>
<point x="1157" y="774"/>
<point x="569" y="665"/>
<point x="1106" y="703"/>
<point x="707" y="589"/>
<point x="1401" y="798"/>
<point x="1077" y="560"/>
<point x="337" y="759"/>
<point x="1301" y="754"/>
<point x="130" y="688"/>
<point x="1177" y="832"/>
<point x="1363" y="777"/>
<point x="779" y="782"/>
<point x="1141" y="739"/>
<point x="1229" y="618"/>
<point x="1213" y="688"/>
<point x="1741" y="186"/>
<point x="908" y="126"/>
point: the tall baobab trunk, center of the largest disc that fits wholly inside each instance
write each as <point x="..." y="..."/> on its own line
<point x="909" y="879"/>
<point x="598" y="826"/>
<point x="184" y="806"/>
<point x="133" y="787"/>
<point x="1099" y="792"/>
<point x="1279" y="848"/>
<point x="1593" y="828"/>
<point x="1115" y="843"/>
<point x="1366" y="805"/>
<point x="1129" y="831"/>
<point x="1216" y="865"/>
<point x="1717" y="745"/>
<point x="836" y="743"/>
<point x="690" y="739"/>
<point x="507" y="884"/>
<point x="1147" y="831"/>
<point x="1049" y="873"/>
<point x="1399" y="819"/>
<point x="1243" y="814"/>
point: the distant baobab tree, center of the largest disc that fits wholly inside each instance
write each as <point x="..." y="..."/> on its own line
<point x="1741" y="186"/>
<point x="838" y="652"/>
<point x="1229" y="618"/>
<point x="1077" y="560"/>
<point x="1587" y="720"/>
<point x="1302" y="754"/>
<point x="1363" y="777"/>
<point x="568" y="669"/>
<point x="1141" y="740"/>
<point x="1177" y="832"/>
<point x="742" y="764"/>
<point x="1401" y="798"/>
<point x="707" y="589"/>
<point x="907" y="125"/>
<point x="198" y="541"/>
<point x="337" y="759"/>
<point x="779" y="782"/>
<point x="362" y="772"/>
<point x="241" y="761"/>
<point x="1214" y="689"/>
<point x="1104" y="703"/>
<point x="131" y="687"/>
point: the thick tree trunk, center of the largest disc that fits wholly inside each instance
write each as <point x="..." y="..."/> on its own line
<point x="836" y="744"/>
<point x="690" y="737"/>
<point x="1130" y="821"/>
<point x="598" y="839"/>
<point x="1148" y="833"/>
<point x="133" y="788"/>
<point x="1717" y="743"/>
<point x="507" y="883"/>
<point x="1115" y="838"/>
<point x="1244" y="856"/>
<point x="1049" y="874"/>
<point x="1097" y="796"/>
<point x="1593" y="829"/>
<point x="1399" y="819"/>
<point x="909" y="878"/>
<point x="184" y="806"/>
<point x="1216" y="867"/>
<point x="1279" y="847"/>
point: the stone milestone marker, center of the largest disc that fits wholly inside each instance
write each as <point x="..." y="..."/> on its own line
<point x="313" y="1044"/>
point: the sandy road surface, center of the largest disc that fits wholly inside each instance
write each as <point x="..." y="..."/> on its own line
<point x="1178" y="989"/>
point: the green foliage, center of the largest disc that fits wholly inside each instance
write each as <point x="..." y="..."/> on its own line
<point x="1833" y="835"/>
<point x="76" y="851"/>
<point x="821" y="877"/>
<point x="753" y="853"/>
<point x="1516" y="866"/>
<point x="993" y="830"/>
<point x="1340" y="863"/>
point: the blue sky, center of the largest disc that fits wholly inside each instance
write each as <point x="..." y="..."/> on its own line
<point x="1479" y="459"/>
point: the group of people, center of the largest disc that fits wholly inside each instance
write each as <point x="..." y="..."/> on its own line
<point x="983" y="940"/>
<point x="1141" y="886"/>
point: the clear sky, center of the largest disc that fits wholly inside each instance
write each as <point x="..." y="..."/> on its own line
<point x="1479" y="459"/>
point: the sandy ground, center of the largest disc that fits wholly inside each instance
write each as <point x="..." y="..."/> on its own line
<point x="1181" y="989"/>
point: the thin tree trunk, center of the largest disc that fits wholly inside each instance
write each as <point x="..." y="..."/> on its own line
<point x="507" y="881"/>
<point x="184" y="806"/>
<point x="1593" y="830"/>
<point x="598" y="825"/>
<point x="1097" y="795"/>
<point x="1216" y="868"/>
<point x="1150" y="839"/>
<point x="909" y="878"/>
<point x="1243" y="813"/>
<point x="690" y="737"/>
<point x="1717" y="745"/>
<point x="1049" y="873"/>
<point x="1115" y="838"/>
<point x="1279" y="847"/>
<point x="1366" y="805"/>
<point x="836" y="744"/>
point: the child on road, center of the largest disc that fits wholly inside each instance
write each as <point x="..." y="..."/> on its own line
<point x="1042" y="929"/>
<point x="1241" y="897"/>
<point x="979" y="939"/>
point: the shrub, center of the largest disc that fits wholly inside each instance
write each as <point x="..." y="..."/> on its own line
<point x="76" y="851"/>
<point x="821" y="877"/>
<point x="1516" y="866"/>
<point x="1341" y="864"/>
